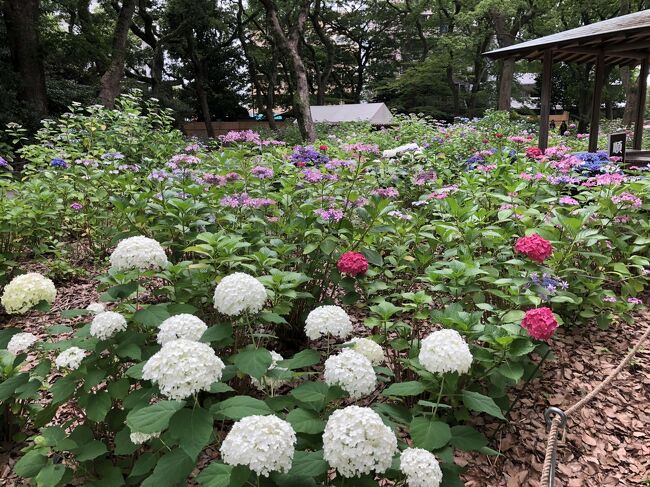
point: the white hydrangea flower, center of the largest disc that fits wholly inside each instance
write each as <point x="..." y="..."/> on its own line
<point x="445" y="351"/>
<point x="138" y="438"/>
<point x="139" y="253"/>
<point x="356" y="442"/>
<point x="270" y="382"/>
<point x="328" y="320"/>
<point x="183" y="367"/>
<point x="239" y="292"/>
<point x="181" y="326"/>
<point x="351" y="371"/>
<point x="20" y="342"/>
<point x="96" y="308"/>
<point x="369" y="349"/>
<point x="420" y="467"/>
<point x="26" y="291"/>
<point x="264" y="444"/>
<point x="70" y="358"/>
<point x="107" y="324"/>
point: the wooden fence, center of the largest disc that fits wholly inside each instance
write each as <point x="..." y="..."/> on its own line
<point x="197" y="129"/>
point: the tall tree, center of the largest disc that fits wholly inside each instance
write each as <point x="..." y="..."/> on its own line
<point x="288" y="33"/>
<point x="21" y="20"/>
<point x="110" y="80"/>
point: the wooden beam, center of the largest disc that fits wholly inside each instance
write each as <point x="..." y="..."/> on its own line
<point x="595" y="107"/>
<point x="545" y="109"/>
<point x="640" y="109"/>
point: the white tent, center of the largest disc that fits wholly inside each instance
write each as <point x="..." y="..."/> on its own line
<point x="375" y="113"/>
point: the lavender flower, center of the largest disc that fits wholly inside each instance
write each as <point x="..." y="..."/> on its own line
<point x="330" y="215"/>
<point x="262" y="172"/>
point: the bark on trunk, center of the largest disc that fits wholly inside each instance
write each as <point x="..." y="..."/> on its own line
<point x="630" y="96"/>
<point x="21" y="20"/>
<point x="289" y="46"/>
<point x="200" y="82"/>
<point x="110" y="81"/>
<point x="506" y="78"/>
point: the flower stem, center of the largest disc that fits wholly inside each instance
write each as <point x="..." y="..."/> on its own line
<point x="442" y="386"/>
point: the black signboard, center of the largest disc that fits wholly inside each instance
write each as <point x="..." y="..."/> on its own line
<point x="616" y="145"/>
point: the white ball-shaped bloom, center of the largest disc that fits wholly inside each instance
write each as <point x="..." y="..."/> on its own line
<point x="183" y="367"/>
<point x="239" y="292"/>
<point x="184" y="326"/>
<point x="420" y="467"/>
<point x="96" y="308"/>
<point x="369" y="349"/>
<point x="328" y="320"/>
<point x="270" y="382"/>
<point x="445" y="351"/>
<point x="70" y="358"/>
<point x="264" y="444"/>
<point x="138" y="438"/>
<point x="26" y="291"/>
<point x="107" y="324"/>
<point x="20" y="342"/>
<point x="139" y="253"/>
<point x="352" y="372"/>
<point x="356" y="442"/>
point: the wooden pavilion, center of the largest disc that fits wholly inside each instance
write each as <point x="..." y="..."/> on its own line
<point x="622" y="41"/>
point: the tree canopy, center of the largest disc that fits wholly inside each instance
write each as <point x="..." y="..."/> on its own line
<point x="217" y="59"/>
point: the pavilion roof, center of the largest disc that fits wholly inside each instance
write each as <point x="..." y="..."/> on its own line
<point x="623" y="40"/>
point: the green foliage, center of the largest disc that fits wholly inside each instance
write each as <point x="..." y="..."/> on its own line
<point x="440" y="254"/>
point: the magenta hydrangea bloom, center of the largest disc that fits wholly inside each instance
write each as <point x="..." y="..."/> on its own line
<point x="540" y="323"/>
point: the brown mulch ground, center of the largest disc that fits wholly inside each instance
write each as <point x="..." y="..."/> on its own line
<point x="607" y="443"/>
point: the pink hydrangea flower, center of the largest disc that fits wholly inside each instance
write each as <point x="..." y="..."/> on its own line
<point x="540" y="323"/>
<point x="534" y="247"/>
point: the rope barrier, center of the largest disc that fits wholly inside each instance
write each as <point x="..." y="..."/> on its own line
<point x="556" y="418"/>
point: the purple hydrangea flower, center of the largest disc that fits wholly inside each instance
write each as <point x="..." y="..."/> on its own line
<point x="330" y="215"/>
<point x="262" y="172"/>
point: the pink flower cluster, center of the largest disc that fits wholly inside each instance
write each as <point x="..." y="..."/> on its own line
<point x="613" y="179"/>
<point x="442" y="193"/>
<point x="246" y="136"/>
<point x="540" y="323"/>
<point x="530" y="177"/>
<point x="389" y="192"/>
<point x="424" y="177"/>
<point x="534" y="153"/>
<point x="329" y="215"/>
<point x="180" y="160"/>
<point x="534" y="247"/>
<point x="486" y="167"/>
<point x="352" y="263"/>
<point x="629" y="199"/>
<point x="243" y="200"/>
<point x="566" y="164"/>
<point x="567" y="200"/>
<point x="360" y="147"/>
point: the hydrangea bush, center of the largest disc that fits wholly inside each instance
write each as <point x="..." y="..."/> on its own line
<point x="335" y="314"/>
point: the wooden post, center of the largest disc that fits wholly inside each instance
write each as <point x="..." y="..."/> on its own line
<point x="545" y="101"/>
<point x="595" y="107"/>
<point x="640" y="108"/>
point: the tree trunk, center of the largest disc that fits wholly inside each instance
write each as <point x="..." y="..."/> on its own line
<point x="110" y="81"/>
<point x="630" y="96"/>
<point x="506" y="78"/>
<point x="157" y="66"/>
<point x="21" y="20"/>
<point x="289" y="46"/>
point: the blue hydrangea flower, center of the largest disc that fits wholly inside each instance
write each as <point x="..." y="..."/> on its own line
<point x="59" y="164"/>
